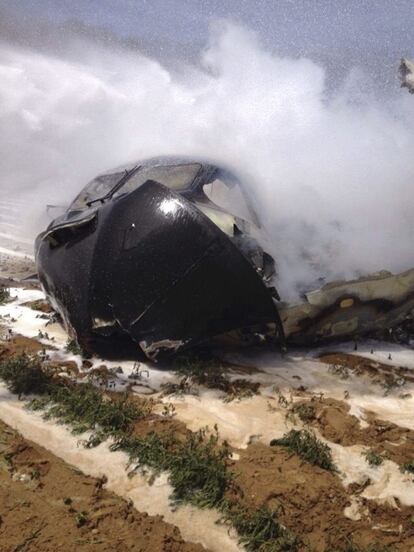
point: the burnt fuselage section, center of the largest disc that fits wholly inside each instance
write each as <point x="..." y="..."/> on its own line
<point x="165" y="251"/>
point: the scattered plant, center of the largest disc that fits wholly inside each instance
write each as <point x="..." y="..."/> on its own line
<point x="373" y="458"/>
<point x="24" y="375"/>
<point x="73" y="347"/>
<point x="408" y="467"/>
<point x="81" y="518"/>
<point x="260" y="530"/>
<point x="305" y="412"/>
<point x="85" y="408"/>
<point x="4" y="295"/>
<point x="197" y="466"/>
<point x="307" y="446"/>
<point x="208" y="372"/>
<point x="168" y="410"/>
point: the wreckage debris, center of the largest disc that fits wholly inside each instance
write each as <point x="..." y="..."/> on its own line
<point x="152" y="251"/>
<point x="170" y="253"/>
<point x="406" y="71"/>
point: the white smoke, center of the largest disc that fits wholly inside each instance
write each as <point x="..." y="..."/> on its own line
<point x="333" y="173"/>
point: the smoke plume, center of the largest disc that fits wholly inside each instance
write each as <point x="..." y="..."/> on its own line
<point x="330" y="167"/>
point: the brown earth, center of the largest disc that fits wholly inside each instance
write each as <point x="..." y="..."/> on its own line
<point x="39" y="305"/>
<point x="47" y="505"/>
<point x="384" y="374"/>
<point x="311" y="502"/>
<point x="18" y="345"/>
<point x="332" y="419"/>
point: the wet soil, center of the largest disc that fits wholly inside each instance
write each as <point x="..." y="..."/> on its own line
<point x="39" y="305"/>
<point x="311" y="502"/>
<point x="47" y="505"/>
<point x="333" y="420"/>
<point x="18" y="345"/>
<point x="381" y="373"/>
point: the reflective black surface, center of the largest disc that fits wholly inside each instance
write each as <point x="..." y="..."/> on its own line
<point x="150" y="263"/>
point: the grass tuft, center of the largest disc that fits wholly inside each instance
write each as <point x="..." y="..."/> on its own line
<point x="260" y="530"/>
<point x="373" y="458"/>
<point x="73" y="347"/>
<point x="81" y="406"/>
<point x="209" y="372"/>
<point x="197" y="465"/>
<point x="4" y="295"/>
<point x="408" y="467"/>
<point x="85" y="408"/>
<point x="81" y="518"/>
<point x="24" y="375"/>
<point x="305" y="412"/>
<point x="307" y="446"/>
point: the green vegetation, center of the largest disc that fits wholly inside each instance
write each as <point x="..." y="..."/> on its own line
<point x="408" y="467"/>
<point x="4" y="295"/>
<point x="197" y="465"/>
<point x="373" y="458"/>
<point x="73" y="347"/>
<point x="80" y="518"/>
<point x="260" y="530"/>
<point x="86" y="409"/>
<point x="305" y="412"/>
<point x="307" y="446"/>
<point x="23" y="375"/>
<point x="210" y="372"/>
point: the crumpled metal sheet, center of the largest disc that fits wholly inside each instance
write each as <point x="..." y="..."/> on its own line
<point x="350" y="309"/>
<point x="153" y="265"/>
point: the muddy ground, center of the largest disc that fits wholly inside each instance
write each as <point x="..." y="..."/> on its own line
<point x="312" y="501"/>
<point x="47" y="505"/>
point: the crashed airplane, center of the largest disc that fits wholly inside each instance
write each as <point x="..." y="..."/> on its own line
<point x="168" y="252"/>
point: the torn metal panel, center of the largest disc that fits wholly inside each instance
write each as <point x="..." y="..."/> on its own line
<point x="344" y="309"/>
<point x="147" y="247"/>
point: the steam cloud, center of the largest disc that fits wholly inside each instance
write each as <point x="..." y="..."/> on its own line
<point x="331" y="171"/>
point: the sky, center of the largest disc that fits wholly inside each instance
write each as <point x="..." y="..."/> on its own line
<point x="332" y="31"/>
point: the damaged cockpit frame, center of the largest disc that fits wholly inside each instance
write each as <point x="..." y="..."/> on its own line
<point x="151" y="250"/>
